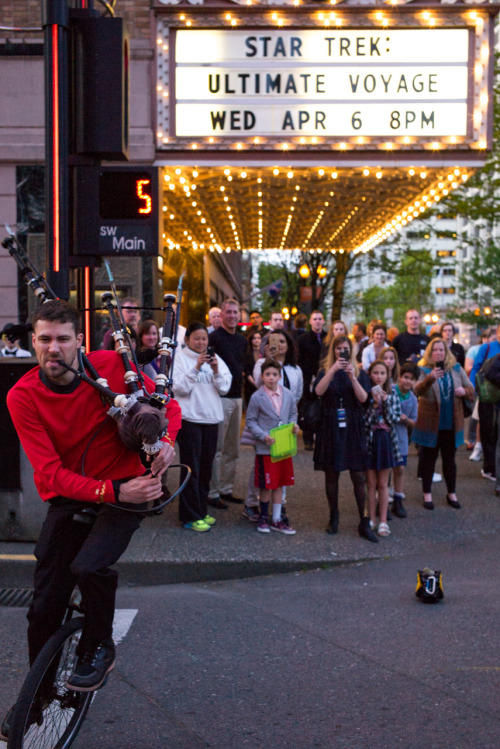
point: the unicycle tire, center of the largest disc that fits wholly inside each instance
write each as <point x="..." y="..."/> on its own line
<point x="48" y="715"/>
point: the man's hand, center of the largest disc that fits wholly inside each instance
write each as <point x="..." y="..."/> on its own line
<point x="142" y="489"/>
<point x="163" y="459"/>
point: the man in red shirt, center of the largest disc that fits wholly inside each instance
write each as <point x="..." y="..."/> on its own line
<point x="79" y="463"/>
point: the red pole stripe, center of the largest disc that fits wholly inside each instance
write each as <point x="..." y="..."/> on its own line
<point x="86" y="294"/>
<point x="55" y="147"/>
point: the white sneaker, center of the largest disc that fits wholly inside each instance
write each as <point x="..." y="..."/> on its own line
<point x="436" y="478"/>
<point x="477" y="452"/>
<point x="487" y="475"/>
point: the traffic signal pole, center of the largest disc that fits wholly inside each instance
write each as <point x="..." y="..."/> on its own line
<point x="56" y="30"/>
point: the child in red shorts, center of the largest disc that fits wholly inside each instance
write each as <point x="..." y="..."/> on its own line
<point x="270" y="406"/>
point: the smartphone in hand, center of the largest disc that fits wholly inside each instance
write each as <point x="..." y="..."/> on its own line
<point x="344" y="354"/>
<point x="377" y="390"/>
<point x="273" y="343"/>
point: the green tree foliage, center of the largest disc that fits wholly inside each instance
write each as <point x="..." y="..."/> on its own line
<point x="477" y="202"/>
<point x="413" y="271"/>
<point x="287" y="270"/>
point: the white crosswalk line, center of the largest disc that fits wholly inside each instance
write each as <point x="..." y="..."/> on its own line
<point x="122" y="623"/>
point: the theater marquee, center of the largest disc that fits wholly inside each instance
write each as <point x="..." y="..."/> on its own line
<point x="396" y="77"/>
<point x="327" y="83"/>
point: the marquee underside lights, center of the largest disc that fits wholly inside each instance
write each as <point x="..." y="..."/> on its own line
<point x="298" y="79"/>
<point x="318" y="210"/>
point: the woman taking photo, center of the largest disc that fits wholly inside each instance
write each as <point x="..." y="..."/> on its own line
<point x="341" y="440"/>
<point x="440" y="420"/>
<point x="251" y="357"/>
<point x="200" y="378"/>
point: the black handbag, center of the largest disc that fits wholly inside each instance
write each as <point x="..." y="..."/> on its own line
<point x="309" y="418"/>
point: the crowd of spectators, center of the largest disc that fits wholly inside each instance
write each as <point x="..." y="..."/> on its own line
<point x="375" y="390"/>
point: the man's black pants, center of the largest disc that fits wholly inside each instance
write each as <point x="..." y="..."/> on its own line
<point x="488" y="430"/>
<point x="72" y="553"/>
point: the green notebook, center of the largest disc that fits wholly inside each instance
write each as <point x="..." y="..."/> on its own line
<point x="285" y="445"/>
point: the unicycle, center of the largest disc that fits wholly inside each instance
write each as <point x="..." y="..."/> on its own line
<point x="48" y="715"/>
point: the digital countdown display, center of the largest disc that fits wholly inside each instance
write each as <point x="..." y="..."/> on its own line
<point x="126" y="195"/>
<point x="117" y="211"/>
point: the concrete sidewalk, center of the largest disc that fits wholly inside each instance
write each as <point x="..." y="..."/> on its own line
<point x="164" y="552"/>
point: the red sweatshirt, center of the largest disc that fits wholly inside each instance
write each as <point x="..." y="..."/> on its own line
<point x="57" y="425"/>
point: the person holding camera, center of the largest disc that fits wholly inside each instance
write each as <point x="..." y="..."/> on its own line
<point x="440" y="420"/>
<point x="340" y="440"/>
<point x="200" y="379"/>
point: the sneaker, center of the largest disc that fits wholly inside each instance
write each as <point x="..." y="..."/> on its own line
<point x="198" y="525"/>
<point x="251" y="513"/>
<point x="282" y="527"/>
<point x="436" y="478"/>
<point x="92" y="668"/>
<point x="477" y="452"/>
<point x="263" y="525"/>
<point x="209" y="520"/>
<point x="487" y="475"/>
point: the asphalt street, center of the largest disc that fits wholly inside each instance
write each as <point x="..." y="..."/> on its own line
<point x="336" y="653"/>
<point x="338" y="657"/>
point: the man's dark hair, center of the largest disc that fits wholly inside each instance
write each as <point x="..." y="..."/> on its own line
<point x="58" y="310"/>
<point x="300" y="322"/>
<point x="411" y="368"/>
<point x="361" y="326"/>
<point x="268" y="363"/>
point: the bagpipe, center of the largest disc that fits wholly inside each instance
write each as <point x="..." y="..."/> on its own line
<point x="140" y="416"/>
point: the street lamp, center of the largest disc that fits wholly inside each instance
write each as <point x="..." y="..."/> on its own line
<point x="304" y="271"/>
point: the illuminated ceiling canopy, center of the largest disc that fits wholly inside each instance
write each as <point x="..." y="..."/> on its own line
<point x="310" y="209"/>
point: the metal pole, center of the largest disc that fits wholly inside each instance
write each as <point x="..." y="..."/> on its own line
<point x="55" y="24"/>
